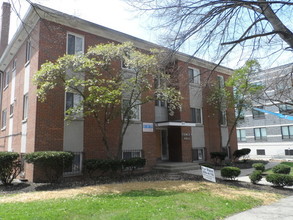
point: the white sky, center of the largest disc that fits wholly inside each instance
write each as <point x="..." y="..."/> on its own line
<point x="114" y="14"/>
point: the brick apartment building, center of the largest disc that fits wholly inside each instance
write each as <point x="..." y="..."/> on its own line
<point x="28" y="125"/>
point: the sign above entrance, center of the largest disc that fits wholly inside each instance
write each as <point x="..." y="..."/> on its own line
<point x="148" y="127"/>
<point x="175" y="123"/>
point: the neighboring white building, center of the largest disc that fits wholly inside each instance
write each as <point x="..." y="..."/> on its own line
<point x="267" y="135"/>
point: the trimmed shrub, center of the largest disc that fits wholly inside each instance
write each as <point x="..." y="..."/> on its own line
<point x="9" y="167"/>
<point x="52" y="162"/>
<point x="259" y="166"/>
<point x="241" y="153"/>
<point x="256" y="176"/>
<point x="133" y="163"/>
<point x="105" y="165"/>
<point x="281" y="169"/>
<point x="218" y="156"/>
<point x="230" y="172"/>
<point x="280" y="179"/>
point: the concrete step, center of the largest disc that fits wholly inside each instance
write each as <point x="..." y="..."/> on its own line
<point x="176" y="166"/>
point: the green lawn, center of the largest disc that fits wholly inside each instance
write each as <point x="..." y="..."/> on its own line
<point x="145" y="204"/>
<point x="290" y="164"/>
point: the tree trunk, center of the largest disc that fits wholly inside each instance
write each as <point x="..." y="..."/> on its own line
<point x="276" y="23"/>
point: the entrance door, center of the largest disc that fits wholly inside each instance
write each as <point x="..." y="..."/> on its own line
<point x="164" y="145"/>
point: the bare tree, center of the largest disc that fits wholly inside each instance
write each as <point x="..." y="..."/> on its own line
<point x="216" y="27"/>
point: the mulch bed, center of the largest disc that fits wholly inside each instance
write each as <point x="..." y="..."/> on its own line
<point x="21" y="187"/>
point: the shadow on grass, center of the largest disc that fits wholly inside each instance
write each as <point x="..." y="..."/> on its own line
<point x="14" y="187"/>
<point x="149" y="193"/>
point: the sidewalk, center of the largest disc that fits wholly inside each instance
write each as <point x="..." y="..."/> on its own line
<point x="281" y="210"/>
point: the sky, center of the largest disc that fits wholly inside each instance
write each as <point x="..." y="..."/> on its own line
<point x="115" y="14"/>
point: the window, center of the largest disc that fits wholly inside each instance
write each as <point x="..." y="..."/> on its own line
<point x="11" y="110"/>
<point x="260" y="152"/>
<point x="285" y="109"/>
<point x="223" y="117"/>
<point x="75" y="44"/>
<point x="72" y="100"/>
<point x="258" y="114"/>
<point x="134" y="112"/>
<point x="128" y="154"/>
<point x="76" y="166"/>
<point x="196" y="115"/>
<point x="5" y="79"/>
<point x="3" y="122"/>
<point x="194" y="75"/>
<point x="241" y="135"/>
<point x="28" y="51"/>
<point x="158" y="102"/>
<point x="221" y="81"/>
<point x="260" y="133"/>
<point x="198" y="154"/>
<point x="287" y="132"/>
<point x="14" y="64"/>
<point x="289" y="152"/>
<point x="25" y="107"/>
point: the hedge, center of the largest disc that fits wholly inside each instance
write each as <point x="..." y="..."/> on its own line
<point x="259" y="166"/>
<point x="256" y="176"/>
<point x="106" y="165"/>
<point x="281" y="169"/>
<point x="280" y="179"/>
<point x="218" y="156"/>
<point x="51" y="162"/>
<point x="9" y="167"/>
<point x="230" y="172"/>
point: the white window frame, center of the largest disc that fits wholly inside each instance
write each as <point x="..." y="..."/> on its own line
<point x="261" y="137"/>
<point x="157" y="84"/>
<point x="221" y="81"/>
<point x="288" y="130"/>
<point x="4" y="119"/>
<point x="76" y="36"/>
<point x="25" y="107"/>
<point x="6" y="79"/>
<point x="194" y="113"/>
<point x="72" y="171"/>
<point x="223" y="115"/>
<point x="11" y="110"/>
<point x="28" y="51"/>
<point x="241" y="135"/>
<point x="137" y="110"/>
<point x="77" y="98"/>
<point x="194" y="77"/>
<point x="258" y="114"/>
<point x="132" y="153"/>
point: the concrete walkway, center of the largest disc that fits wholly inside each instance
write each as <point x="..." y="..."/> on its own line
<point x="281" y="210"/>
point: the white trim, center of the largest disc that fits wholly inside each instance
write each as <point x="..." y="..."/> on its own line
<point x="265" y="126"/>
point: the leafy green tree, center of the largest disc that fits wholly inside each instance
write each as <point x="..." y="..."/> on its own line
<point x="112" y="80"/>
<point x="239" y="92"/>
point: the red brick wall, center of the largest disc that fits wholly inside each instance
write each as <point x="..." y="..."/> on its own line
<point x="46" y="120"/>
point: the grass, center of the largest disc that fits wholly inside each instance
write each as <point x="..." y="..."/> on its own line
<point x="149" y="200"/>
<point x="290" y="164"/>
<point x="146" y="204"/>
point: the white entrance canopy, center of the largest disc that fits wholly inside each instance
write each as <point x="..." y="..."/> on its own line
<point x="175" y="123"/>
